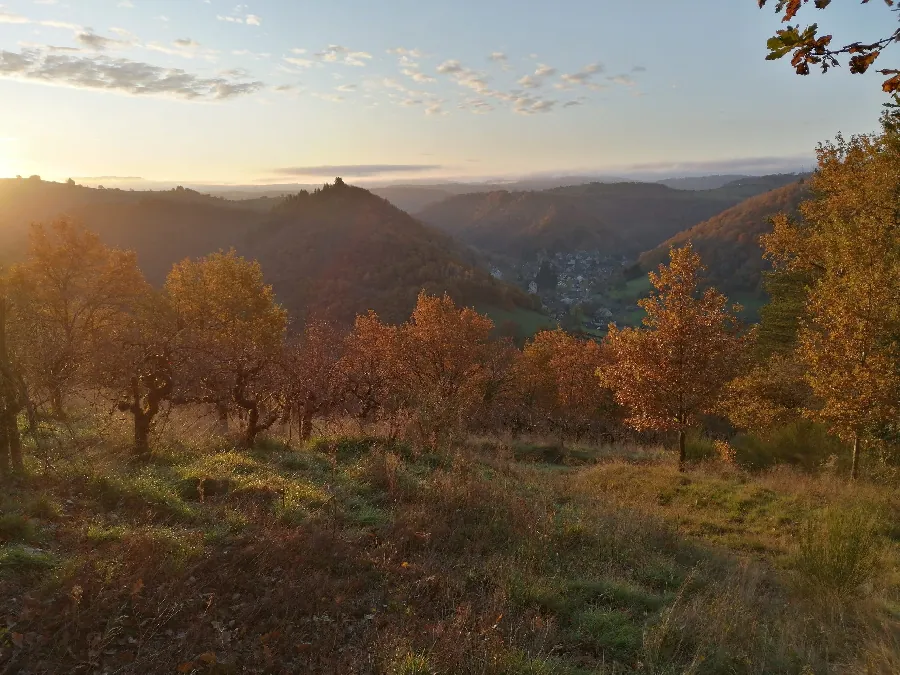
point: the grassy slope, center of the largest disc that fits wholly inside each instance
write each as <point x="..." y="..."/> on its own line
<point x="529" y="321"/>
<point x="353" y="557"/>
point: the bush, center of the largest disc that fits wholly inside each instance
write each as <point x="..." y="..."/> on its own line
<point x="803" y="443"/>
<point x="840" y="551"/>
<point x="699" y="447"/>
<point x="412" y="664"/>
<point x="16" y="528"/>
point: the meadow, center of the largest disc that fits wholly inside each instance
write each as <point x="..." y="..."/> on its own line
<point x="356" y="554"/>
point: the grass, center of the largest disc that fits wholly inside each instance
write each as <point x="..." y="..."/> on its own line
<point x="358" y="555"/>
<point x="530" y="322"/>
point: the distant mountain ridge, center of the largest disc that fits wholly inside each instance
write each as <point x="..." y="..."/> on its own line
<point x="338" y="251"/>
<point x="728" y="243"/>
<point x="615" y="218"/>
<point x="701" y="182"/>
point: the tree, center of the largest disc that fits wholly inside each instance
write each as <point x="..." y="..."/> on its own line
<point x="670" y="372"/>
<point x="808" y="48"/>
<point x="370" y="370"/>
<point x="772" y="390"/>
<point x="555" y="377"/>
<point x="234" y="335"/>
<point x="141" y="363"/>
<point x="12" y="394"/>
<point x="314" y="383"/>
<point x="444" y="355"/>
<point x="849" y="243"/>
<point x="71" y="291"/>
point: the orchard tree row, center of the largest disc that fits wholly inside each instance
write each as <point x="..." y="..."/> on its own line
<point x="78" y="317"/>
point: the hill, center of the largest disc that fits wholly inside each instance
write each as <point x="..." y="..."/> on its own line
<point x="340" y="250"/>
<point x="700" y="182"/>
<point x="728" y="243"/>
<point x="343" y="553"/>
<point x="614" y="218"/>
<point x="23" y="201"/>
<point x="412" y="198"/>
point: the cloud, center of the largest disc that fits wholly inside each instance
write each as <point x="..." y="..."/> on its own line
<point x="544" y="70"/>
<point x="90" y="40"/>
<point x="450" y="67"/>
<point x="347" y="88"/>
<point x="120" y="75"/>
<point x="624" y="80"/>
<point x="583" y="76"/>
<point x="418" y="76"/>
<point x="334" y="98"/>
<point x="300" y="63"/>
<point x="127" y="4"/>
<point x="527" y="105"/>
<point x="531" y="82"/>
<point x="10" y="18"/>
<point x="464" y="76"/>
<point x="569" y="104"/>
<point x="185" y="48"/>
<point x="497" y="57"/>
<point x="402" y="51"/>
<point x="639" y="69"/>
<point x="367" y="170"/>
<point x="434" y="109"/>
<point x="750" y="165"/>
<point x="249" y="19"/>
<point x="340" y="54"/>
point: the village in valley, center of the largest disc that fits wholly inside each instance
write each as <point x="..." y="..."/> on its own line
<point x="576" y="288"/>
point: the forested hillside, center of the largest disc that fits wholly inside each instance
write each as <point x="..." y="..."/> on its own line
<point x="166" y="216"/>
<point x="615" y="218"/>
<point x="729" y="242"/>
<point x="339" y="250"/>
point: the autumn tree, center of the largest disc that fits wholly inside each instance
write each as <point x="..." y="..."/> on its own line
<point x="808" y="48"/>
<point x="444" y="355"/>
<point x="141" y="363"/>
<point x="68" y="294"/>
<point x="370" y="370"/>
<point x="12" y="393"/>
<point x="233" y="332"/>
<point x="556" y="380"/>
<point x="771" y="389"/>
<point x="670" y="372"/>
<point x="314" y="385"/>
<point x="848" y="242"/>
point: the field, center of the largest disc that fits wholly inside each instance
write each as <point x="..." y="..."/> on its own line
<point x="359" y="555"/>
<point x="530" y="322"/>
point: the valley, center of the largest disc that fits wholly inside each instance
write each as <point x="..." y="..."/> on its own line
<point x="571" y="255"/>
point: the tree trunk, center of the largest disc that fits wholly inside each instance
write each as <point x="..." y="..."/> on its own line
<point x="142" y="426"/>
<point x="306" y="417"/>
<point x="682" y="450"/>
<point x="854" y="466"/>
<point x="4" y="448"/>
<point x="222" y="412"/>
<point x="57" y="406"/>
<point x="252" y="427"/>
<point x="15" y="443"/>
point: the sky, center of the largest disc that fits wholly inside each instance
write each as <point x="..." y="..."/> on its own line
<point x="285" y="91"/>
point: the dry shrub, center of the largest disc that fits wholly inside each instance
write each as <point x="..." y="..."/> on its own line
<point x="839" y="551"/>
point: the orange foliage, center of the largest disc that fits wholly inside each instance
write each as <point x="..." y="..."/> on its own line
<point x="672" y="371"/>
